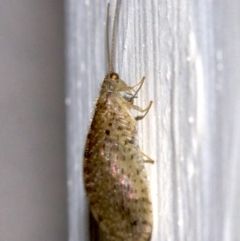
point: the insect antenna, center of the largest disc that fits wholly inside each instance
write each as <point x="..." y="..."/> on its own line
<point x="110" y="52"/>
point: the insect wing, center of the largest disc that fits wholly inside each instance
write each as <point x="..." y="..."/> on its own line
<point x="115" y="184"/>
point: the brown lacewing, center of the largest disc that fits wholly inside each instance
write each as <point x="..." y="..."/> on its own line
<point x="114" y="174"/>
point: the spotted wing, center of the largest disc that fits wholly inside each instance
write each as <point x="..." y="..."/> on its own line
<point x="117" y="189"/>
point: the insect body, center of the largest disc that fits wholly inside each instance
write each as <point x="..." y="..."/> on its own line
<point x="114" y="174"/>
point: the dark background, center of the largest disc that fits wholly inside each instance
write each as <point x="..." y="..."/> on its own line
<point x="33" y="196"/>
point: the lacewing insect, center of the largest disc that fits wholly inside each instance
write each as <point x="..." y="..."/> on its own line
<point x="114" y="174"/>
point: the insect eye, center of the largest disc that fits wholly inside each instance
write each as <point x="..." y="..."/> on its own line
<point x="114" y="76"/>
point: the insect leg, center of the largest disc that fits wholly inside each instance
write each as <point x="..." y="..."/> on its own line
<point x="140" y="83"/>
<point x="135" y="107"/>
<point x="149" y="160"/>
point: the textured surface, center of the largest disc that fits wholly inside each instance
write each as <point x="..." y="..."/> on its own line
<point x="33" y="203"/>
<point x="189" y="52"/>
